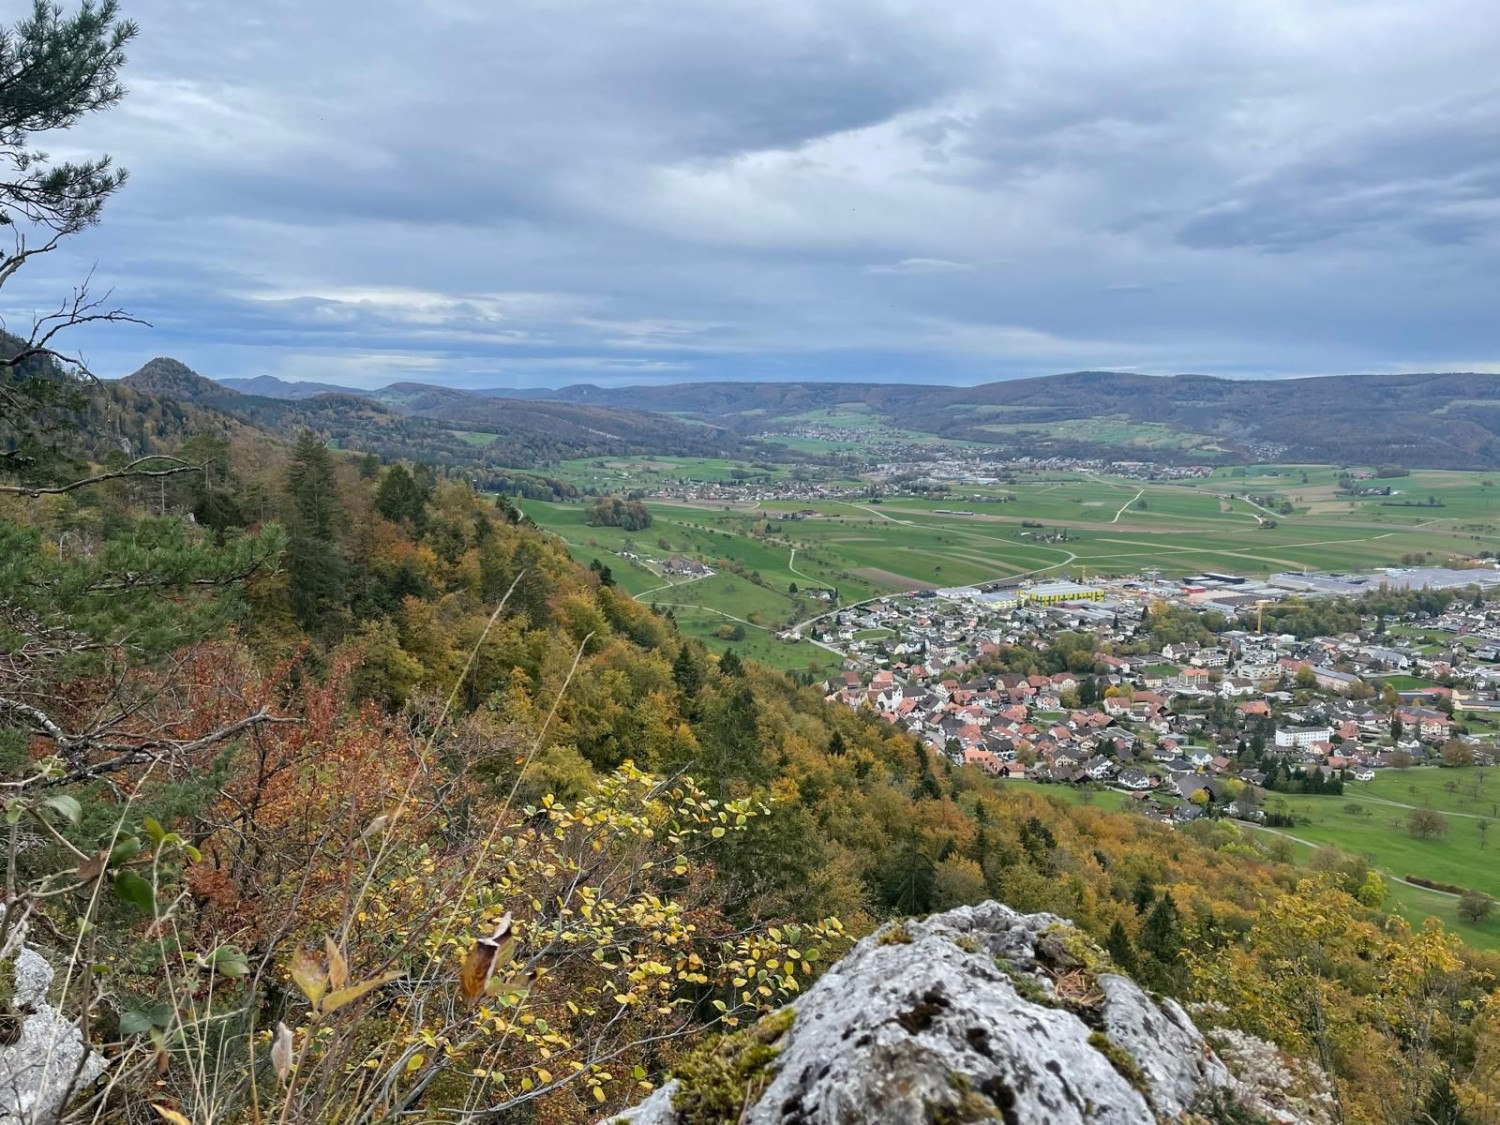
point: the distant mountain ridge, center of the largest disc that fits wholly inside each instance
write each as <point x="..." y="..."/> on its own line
<point x="1433" y="420"/>
<point x="1437" y="420"/>
<point x="269" y="386"/>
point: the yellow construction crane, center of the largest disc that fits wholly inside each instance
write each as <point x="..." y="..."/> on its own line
<point x="1260" y="608"/>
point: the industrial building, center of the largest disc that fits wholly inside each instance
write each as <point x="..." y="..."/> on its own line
<point x="1054" y="593"/>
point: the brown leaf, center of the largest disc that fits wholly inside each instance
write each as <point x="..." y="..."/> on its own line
<point x="482" y="960"/>
<point x="338" y="968"/>
<point x="93" y="867"/>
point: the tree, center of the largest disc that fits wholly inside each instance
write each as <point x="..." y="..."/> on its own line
<point x="1425" y="823"/>
<point x="1161" y="935"/>
<point x="55" y="70"/>
<point x="612" y="511"/>
<point x="317" y="570"/>
<point x="1475" y="906"/>
<point x="400" y="498"/>
<point x="1119" y="947"/>
<point x="1457" y="752"/>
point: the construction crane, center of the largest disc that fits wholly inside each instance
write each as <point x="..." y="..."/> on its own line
<point x="1260" y="608"/>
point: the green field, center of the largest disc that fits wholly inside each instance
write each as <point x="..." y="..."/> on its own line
<point x="1370" y="820"/>
<point x="977" y="533"/>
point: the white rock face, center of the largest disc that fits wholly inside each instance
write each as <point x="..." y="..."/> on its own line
<point x="924" y="1022"/>
<point x="48" y="1063"/>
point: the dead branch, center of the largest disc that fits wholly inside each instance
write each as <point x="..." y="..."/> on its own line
<point x="129" y="470"/>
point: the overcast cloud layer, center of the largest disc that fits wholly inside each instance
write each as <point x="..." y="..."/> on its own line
<point x="542" y="193"/>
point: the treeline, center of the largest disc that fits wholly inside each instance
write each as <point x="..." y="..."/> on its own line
<point x="1304" y="618"/>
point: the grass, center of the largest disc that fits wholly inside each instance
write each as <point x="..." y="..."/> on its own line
<point x="1370" y="820"/>
<point x="1416" y="904"/>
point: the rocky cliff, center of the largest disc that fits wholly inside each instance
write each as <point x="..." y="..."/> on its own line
<point x="980" y="1014"/>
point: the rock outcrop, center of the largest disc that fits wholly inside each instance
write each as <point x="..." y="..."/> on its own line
<point x="43" y="1061"/>
<point x="979" y="1014"/>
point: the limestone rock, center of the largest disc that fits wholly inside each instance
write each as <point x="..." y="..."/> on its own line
<point x="978" y="1014"/>
<point x="48" y="1061"/>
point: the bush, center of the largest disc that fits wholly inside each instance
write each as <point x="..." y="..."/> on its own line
<point x="1434" y="885"/>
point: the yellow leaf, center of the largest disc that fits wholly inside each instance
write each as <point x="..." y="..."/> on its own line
<point x="336" y="1000"/>
<point x="170" y="1115"/>
<point x="545" y="1076"/>
<point x="598" y="1094"/>
<point x="309" y="976"/>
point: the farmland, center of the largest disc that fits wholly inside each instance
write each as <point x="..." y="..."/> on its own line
<point x="1045" y="524"/>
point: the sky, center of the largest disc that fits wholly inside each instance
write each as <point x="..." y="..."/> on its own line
<point x="523" y="194"/>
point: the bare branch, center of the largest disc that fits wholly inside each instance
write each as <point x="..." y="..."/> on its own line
<point x="122" y="749"/>
<point x="129" y="470"/>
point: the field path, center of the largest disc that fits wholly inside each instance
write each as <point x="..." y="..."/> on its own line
<point x="791" y="564"/>
<point x="674" y="585"/>
<point x="875" y="512"/>
<point x="1403" y="805"/>
<point x="1126" y="505"/>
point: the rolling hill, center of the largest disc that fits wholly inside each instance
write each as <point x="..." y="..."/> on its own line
<point x="410" y="421"/>
<point x="1448" y="421"/>
<point x="1439" y="421"/>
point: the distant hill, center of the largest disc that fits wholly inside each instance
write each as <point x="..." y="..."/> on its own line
<point x="1449" y="421"/>
<point x="1419" y="420"/>
<point x="413" y="421"/>
<point x="268" y="386"/>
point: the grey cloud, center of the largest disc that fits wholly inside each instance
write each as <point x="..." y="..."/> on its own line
<point x="1432" y="175"/>
<point x="828" y="188"/>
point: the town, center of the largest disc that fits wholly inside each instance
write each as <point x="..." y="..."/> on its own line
<point x="1196" y="697"/>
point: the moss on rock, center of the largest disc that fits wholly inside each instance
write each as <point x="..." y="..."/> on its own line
<point x="717" y="1081"/>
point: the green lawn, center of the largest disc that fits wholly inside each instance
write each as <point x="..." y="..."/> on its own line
<point x="1362" y="822"/>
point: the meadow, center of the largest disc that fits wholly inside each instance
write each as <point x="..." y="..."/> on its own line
<point x="1369" y="819"/>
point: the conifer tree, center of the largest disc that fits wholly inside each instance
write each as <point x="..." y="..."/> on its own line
<point x="55" y="70"/>
<point x="318" y="572"/>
